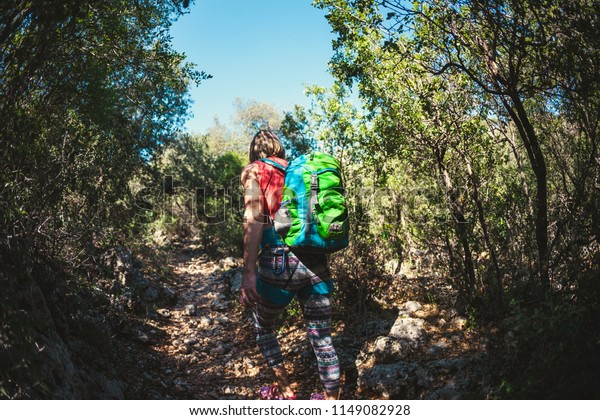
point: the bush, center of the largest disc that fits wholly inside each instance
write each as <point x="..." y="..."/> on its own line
<point x="553" y="352"/>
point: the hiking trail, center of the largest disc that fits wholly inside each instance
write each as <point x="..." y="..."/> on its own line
<point x="202" y="346"/>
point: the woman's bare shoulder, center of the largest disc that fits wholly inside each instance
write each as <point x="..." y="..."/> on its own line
<point x="249" y="172"/>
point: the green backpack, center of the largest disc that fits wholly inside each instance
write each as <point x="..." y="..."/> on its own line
<point x="313" y="216"/>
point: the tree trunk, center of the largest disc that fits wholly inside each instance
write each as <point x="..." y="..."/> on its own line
<point x="518" y="114"/>
<point x="461" y="230"/>
<point x="513" y="147"/>
<point x="496" y="290"/>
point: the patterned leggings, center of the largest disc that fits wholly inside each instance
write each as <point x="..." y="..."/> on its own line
<point x="316" y="308"/>
<point x="317" y="318"/>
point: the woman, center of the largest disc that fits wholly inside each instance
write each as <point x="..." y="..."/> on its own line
<point x="282" y="274"/>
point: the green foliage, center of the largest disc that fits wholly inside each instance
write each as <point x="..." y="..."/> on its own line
<point x="438" y="81"/>
<point x="552" y="352"/>
<point x="484" y="119"/>
<point x="90" y="91"/>
<point x="252" y="116"/>
<point x="471" y="318"/>
<point x="292" y="315"/>
<point x="295" y="133"/>
<point x="204" y="196"/>
<point x="197" y="193"/>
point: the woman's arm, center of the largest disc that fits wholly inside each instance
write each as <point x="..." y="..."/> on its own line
<point x="253" y="226"/>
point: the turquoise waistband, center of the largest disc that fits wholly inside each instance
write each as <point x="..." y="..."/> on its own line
<point x="283" y="297"/>
<point x="270" y="238"/>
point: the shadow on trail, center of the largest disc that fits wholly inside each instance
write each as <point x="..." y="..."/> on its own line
<point x="416" y="350"/>
<point x="415" y="346"/>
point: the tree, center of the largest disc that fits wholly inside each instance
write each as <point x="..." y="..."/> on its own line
<point x="295" y="133"/>
<point x="510" y="54"/>
<point x="252" y="116"/>
<point x="90" y="90"/>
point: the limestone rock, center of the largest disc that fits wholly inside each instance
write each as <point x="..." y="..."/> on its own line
<point x="410" y="329"/>
<point x="227" y="263"/>
<point x="236" y="282"/>
<point x="389" y="349"/>
<point x="412" y="306"/>
<point x="390" y="381"/>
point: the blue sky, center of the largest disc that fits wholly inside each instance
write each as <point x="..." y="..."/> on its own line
<point x="262" y="50"/>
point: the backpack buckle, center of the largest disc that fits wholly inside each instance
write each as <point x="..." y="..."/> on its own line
<point x="314" y="182"/>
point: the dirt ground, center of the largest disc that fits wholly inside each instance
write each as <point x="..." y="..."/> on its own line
<point x="203" y="346"/>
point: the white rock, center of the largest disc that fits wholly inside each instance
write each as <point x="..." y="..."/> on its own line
<point x="227" y="262"/>
<point x="388" y="349"/>
<point x="412" y="306"/>
<point x="411" y="329"/>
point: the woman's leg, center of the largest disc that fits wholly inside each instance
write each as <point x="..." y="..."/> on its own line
<point x="265" y="316"/>
<point x="317" y="318"/>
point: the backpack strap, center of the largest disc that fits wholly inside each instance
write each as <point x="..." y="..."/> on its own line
<point x="273" y="163"/>
<point x="312" y="201"/>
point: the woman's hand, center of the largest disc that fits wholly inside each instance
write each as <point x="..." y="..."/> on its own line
<point x="249" y="297"/>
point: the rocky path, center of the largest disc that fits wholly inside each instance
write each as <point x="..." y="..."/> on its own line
<point x="202" y="346"/>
